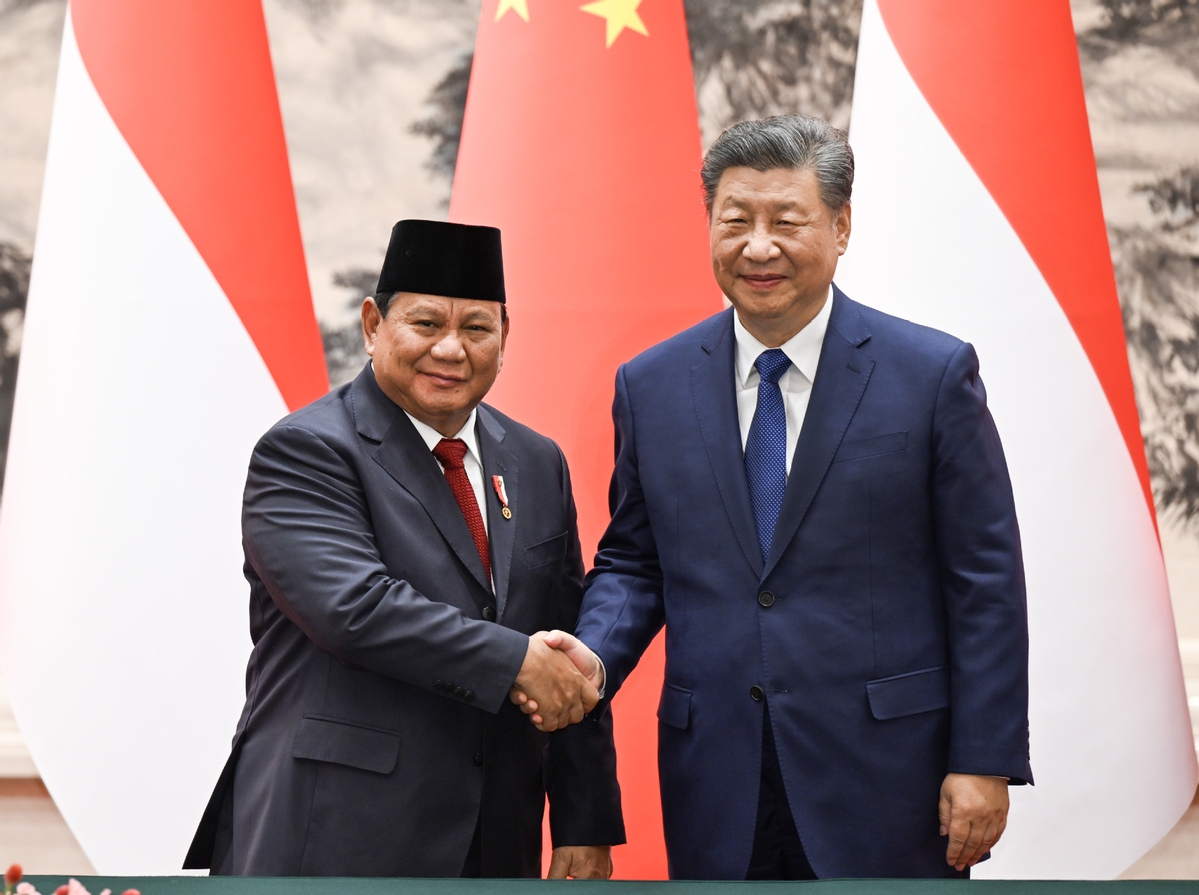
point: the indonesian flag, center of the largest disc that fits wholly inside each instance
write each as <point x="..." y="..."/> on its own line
<point x="976" y="210"/>
<point x="581" y="142"/>
<point x="169" y="324"/>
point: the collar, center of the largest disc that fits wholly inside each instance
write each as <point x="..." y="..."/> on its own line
<point x="803" y="348"/>
<point x="467" y="433"/>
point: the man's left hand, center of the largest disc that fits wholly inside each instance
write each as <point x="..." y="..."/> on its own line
<point x="973" y="813"/>
<point x="581" y="862"/>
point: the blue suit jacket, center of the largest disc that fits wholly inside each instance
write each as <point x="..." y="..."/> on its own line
<point x="887" y="627"/>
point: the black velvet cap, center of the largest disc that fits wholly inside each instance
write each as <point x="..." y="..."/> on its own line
<point x="440" y="258"/>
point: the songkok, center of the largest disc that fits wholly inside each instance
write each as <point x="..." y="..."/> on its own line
<point x="440" y="258"/>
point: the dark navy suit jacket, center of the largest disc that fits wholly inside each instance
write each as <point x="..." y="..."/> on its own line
<point x="886" y="629"/>
<point x="377" y="727"/>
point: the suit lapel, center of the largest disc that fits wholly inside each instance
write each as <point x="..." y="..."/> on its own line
<point x="498" y="460"/>
<point x="840" y="383"/>
<point x="713" y="389"/>
<point x="404" y="455"/>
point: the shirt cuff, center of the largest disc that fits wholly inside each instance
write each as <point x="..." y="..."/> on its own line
<point x="603" y="674"/>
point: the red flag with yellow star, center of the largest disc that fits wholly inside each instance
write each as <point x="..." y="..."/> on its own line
<point x="581" y="143"/>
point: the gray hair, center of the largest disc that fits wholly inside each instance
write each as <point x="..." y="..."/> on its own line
<point x="792" y="142"/>
<point x="383" y="302"/>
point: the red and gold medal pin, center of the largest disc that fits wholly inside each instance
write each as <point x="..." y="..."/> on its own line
<point x="498" y="482"/>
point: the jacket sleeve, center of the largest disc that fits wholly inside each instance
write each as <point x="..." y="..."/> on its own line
<point x="581" y="760"/>
<point x="307" y="533"/>
<point x="982" y="580"/>
<point x="623" y="607"/>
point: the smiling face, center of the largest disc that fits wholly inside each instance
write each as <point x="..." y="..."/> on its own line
<point x="435" y="357"/>
<point x="775" y="246"/>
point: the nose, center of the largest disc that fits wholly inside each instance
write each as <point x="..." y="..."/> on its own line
<point x="449" y="348"/>
<point x="761" y="245"/>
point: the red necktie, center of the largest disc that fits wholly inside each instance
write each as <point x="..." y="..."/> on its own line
<point x="449" y="452"/>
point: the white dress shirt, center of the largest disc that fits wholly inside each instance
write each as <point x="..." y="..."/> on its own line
<point x="472" y="461"/>
<point x="796" y="382"/>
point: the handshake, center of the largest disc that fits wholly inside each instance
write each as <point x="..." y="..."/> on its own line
<point x="559" y="681"/>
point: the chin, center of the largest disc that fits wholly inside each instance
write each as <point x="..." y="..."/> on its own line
<point x="765" y="307"/>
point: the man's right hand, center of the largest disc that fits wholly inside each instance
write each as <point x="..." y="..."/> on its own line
<point x="549" y="679"/>
<point x="973" y="812"/>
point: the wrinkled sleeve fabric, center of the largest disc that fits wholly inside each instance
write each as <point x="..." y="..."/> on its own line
<point x="622" y="607"/>
<point x="982" y="580"/>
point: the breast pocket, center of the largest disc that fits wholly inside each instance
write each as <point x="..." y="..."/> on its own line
<point x="545" y="552"/>
<point x="874" y="446"/>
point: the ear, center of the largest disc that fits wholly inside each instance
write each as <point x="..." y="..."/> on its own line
<point x="371" y="319"/>
<point x="843" y="225"/>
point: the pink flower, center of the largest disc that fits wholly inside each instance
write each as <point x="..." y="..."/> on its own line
<point x="26" y="889"/>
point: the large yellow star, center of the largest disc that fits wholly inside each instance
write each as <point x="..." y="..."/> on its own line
<point x="620" y="14"/>
<point x="521" y="7"/>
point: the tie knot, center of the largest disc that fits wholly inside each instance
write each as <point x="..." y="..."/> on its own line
<point x="449" y="452"/>
<point x="771" y="364"/>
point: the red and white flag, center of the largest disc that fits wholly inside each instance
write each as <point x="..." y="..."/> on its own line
<point x="169" y="324"/>
<point x="976" y="210"/>
<point x="581" y="142"/>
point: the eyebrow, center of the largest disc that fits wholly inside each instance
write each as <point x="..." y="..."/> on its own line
<point x="478" y="314"/>
<point x="734" y="202"/>
<point x="421" y="308"/>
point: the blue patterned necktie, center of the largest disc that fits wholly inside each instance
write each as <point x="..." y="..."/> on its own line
<point x="766" y="447"/>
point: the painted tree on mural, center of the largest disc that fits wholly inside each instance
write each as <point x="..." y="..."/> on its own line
<point x="344" y="354"/>
<point x="1127" y="19"/>
<point x="14" y="287"/>
<point x="444" y="125"/>
<point x="753" y="59"/>
<point x="1158" y="275"/>
<point x="1140" y="64"/>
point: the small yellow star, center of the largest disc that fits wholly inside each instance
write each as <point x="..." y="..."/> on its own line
<point x="520" y="7"/>
<point x="620" y="14"/>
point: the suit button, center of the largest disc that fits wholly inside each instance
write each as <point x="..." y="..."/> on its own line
<point x="478" y="759"/>
<point x="468" y="695"/>
<point x="756" y="694"/>
<point x="766" y="598"/>
<point x="438" y="685"/>
<point x="459" y="692"/>
<point x="488" y="613"/>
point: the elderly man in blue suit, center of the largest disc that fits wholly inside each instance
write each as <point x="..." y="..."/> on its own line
<point x="811" y="497"/>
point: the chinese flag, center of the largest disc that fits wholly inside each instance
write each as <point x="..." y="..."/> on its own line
<point x="581" y="142"/>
